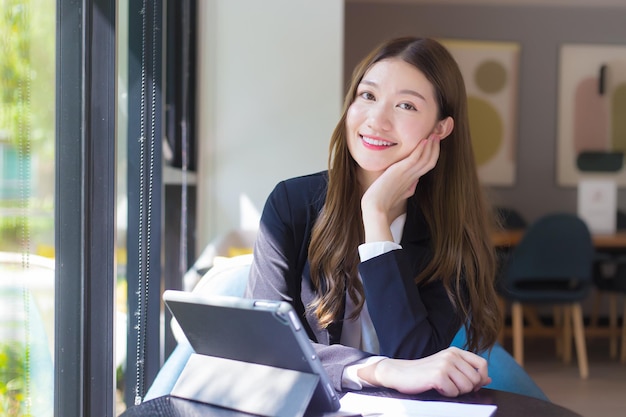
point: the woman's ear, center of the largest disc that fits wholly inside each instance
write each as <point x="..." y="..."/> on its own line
<point x="443" y="128"/>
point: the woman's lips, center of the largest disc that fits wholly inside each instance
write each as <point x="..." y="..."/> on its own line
<point x="375" y="143"/>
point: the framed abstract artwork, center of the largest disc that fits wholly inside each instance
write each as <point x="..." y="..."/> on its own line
<point x="490" y="71"/>
<point x="591" y="114"/>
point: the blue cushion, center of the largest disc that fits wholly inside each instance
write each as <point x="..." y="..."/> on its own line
<point x="506" y="374"/>
<point x="228" y="277"/>
<point x="170" y="371"/>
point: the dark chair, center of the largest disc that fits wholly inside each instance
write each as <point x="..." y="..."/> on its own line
<point x="609" y="278"/>
<point x="510" y="218"/>
<point x="507" y="218"/>
<point x="552" y="265"/>
<point x="619" y="286"/>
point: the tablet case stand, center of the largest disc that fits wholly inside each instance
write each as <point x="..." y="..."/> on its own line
<point x="248" y="387"/>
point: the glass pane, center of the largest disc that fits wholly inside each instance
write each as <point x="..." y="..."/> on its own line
<point x="122" y="201"/>
<point x="27" y="95"/>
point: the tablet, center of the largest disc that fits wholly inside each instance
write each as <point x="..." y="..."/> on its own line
<point x="261" y="332"/>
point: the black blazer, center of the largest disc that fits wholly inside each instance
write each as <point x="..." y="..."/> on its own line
<point x="410" y="321"/>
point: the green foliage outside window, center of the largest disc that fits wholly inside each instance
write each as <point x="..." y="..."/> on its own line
<point x="27" y="106"/>
<point x="13" y="380"/>
<point x="27" y="113"/>
<point x="15" y="71"/>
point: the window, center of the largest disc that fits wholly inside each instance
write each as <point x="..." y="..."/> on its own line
<point x="79" y="80"/>
<point x="27" y="126"/>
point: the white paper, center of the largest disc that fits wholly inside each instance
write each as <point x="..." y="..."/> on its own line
<point x="370" y="406"/>
<point x="597" y="204"/>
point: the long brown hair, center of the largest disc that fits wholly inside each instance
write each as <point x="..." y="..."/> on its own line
<point x="450" y="197"/>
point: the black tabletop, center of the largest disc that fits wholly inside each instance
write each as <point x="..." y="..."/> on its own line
<point x="509" y="405"/>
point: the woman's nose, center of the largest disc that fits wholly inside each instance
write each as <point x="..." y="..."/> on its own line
<point x="379" y="117"/>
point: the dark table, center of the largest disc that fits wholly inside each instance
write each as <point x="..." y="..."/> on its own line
<point x="509" y="238"/>
<point x="509" y="405"/>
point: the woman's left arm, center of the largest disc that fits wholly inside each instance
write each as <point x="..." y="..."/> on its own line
<point x="410" y="322"/>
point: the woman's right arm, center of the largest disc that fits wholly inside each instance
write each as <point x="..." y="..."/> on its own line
<point x="275" y="256"/>
<point x="450" y="372"/>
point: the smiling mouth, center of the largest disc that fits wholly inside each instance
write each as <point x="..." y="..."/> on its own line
<point x="376" y="142"/>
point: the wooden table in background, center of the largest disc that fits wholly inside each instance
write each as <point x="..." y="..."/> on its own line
<point x="613" y="241"/>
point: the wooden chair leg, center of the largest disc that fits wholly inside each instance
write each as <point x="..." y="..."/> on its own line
<point x="597" y="297"/>
<point x="532" y="317"/>
<point x="623" y="355"/>
<point x="557" y="313"/>
<point x="579" y="335"/>
<point x="567" y="334"/>
<point x="613" y="325"/>
<point x="517" y="317"/>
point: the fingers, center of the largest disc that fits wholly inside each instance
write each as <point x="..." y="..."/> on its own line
<point x="432" y="153"/>
<point x="411" y="190"/>
<point x="467" y="372"/>
<point x="422" y="160"/>
<point x="425" y="156"/>
<point x="465" y="378"/>
<point x="477" y="363"/>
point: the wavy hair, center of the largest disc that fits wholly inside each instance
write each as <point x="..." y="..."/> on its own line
<point x="450" y="197"/>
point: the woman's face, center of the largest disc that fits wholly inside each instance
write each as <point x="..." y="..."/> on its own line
<point x="394" y="109"/>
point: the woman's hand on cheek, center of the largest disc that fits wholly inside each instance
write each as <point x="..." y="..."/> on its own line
<point x="399" y="181"/>
<point x="451" y="372"/>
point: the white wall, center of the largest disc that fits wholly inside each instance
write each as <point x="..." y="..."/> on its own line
<point x="548" y="3"/>
<point x="270" y="93"/>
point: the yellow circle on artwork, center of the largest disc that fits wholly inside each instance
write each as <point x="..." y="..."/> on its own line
<point x="486" y="128"/>
<point x="490" y="76"/>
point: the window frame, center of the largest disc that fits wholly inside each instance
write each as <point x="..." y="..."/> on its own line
<point x="85" y="208"/>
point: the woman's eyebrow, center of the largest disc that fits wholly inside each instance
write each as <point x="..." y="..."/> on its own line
<point x="404" y="91"/>
<point x="370" y="83"/>
<point x="412" y="93"/>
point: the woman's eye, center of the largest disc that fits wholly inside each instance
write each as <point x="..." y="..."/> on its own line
<point x="407" y="106"/>
<point x="367" y="96"/>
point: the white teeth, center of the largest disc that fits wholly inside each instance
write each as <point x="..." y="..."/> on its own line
<point x="376" y="142"/>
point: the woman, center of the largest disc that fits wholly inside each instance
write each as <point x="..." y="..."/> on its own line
<point x="387" y="254"/>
